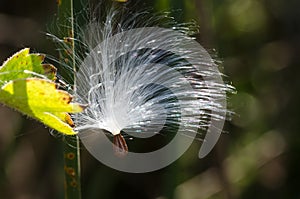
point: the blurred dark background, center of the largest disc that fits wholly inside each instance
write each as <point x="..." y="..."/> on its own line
<point x="258" y="44"/>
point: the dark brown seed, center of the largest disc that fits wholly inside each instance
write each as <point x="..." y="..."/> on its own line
<point x="120" y="146"/>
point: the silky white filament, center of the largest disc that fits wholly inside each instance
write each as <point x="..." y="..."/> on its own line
<point x="138" y="78"/>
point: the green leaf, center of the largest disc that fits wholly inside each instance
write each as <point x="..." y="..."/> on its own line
<point x="24" y="65"/>
<point x="28" y="86"/>
<point x="40" y="99"/>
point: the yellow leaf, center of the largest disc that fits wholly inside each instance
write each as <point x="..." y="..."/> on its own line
<point x="24" y="65"/>
<point x="40" y="99"/>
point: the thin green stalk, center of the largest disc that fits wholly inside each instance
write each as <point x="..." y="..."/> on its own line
<point x="72" y="168"/>
<point x="71" y="143"/>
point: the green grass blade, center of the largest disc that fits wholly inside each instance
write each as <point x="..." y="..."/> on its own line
<point x="71" y="143"/>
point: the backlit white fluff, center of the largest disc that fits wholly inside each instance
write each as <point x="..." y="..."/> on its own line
<point x="138" y="77"/>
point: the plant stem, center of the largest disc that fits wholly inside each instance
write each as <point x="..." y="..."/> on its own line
<point x="71" y="143"/>
<point x="72" y="167"/>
